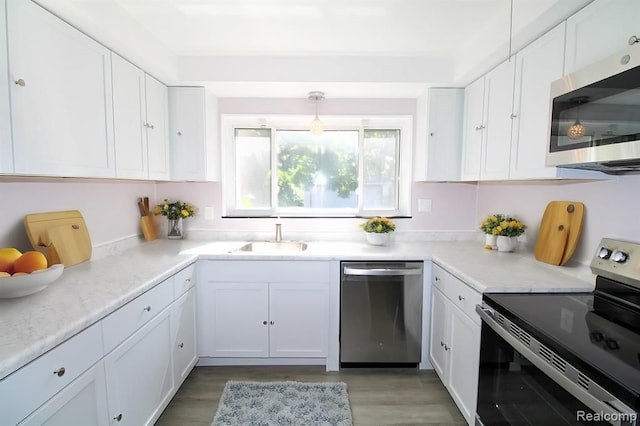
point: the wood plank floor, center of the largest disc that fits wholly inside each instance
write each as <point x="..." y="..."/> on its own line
<point x="377" y="396"/>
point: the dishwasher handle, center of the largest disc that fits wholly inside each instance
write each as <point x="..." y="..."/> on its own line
<point x="382" y="272"/>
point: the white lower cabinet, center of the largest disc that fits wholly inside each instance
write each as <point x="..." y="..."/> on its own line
<point x="139" y="374"/>
<point x="121" y="370"/>
<point x="268" y="319"/>
<point x="455" y="339"/>
<point x="185" y="353"/>
<point x="83" y="402"/>
<point x="285" y="314"/>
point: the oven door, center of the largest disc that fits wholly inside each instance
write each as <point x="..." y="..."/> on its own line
<point x="523" y="382"/>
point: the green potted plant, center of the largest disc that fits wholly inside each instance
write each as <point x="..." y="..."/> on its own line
<point x="378" y="230"/>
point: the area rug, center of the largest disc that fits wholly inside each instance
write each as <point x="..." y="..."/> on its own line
<point x="283" y="403"/>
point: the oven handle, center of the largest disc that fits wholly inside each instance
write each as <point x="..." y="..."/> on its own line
<point x="381" y="272"/>
<point x="612" y="406"/>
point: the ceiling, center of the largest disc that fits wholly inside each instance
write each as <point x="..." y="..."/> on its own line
<point x="348" y="48"/>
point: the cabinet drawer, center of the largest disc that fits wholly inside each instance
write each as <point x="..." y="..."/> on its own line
<point x="126" y="320"/>
<point x="265" y="271"/>
<point x="26" y="389"/>
<point x="183" y="281"/>
<point x="462" y="296"/>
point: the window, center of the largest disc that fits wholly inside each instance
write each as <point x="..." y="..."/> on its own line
<point x="283" y="169"/>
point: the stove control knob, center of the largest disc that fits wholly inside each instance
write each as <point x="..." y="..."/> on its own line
<point x="604" y="253"/>
<point x="619" y="256"/>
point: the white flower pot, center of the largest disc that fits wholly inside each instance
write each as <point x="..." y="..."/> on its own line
<point x="490" y="241"/>
<point x="507" y="244"/>
<point x="378" y="239"/>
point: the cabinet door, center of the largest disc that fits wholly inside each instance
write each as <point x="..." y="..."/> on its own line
<point x="157" y="102"/>
<point x="128" y="119"/>
<point x="6" y="148"/>
<point x="499" y="107"/>
<point x="83" y="402"/>
<point x="537" y="66"/>
<point x="240" y="319"/>
<point x="438" y="347"/>
<point x="185" y="354"/>
<point x="600" y="29"/>
<point x="298" y="319"/>
<point x="187" y="133"/>
<point x="474" y="127"/>
<point x="62" y="112"/>
<point x="444" y="137"/>
<point x="464" y="361"/>
<point x="139" y="375"/>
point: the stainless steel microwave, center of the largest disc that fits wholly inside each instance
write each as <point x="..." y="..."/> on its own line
<point x="595" y="116"/>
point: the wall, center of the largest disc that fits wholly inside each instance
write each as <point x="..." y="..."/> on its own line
<point x="109" y="208"/>
<point x="453" y="209"/>
<point x="611" y="208"/>
<point x="111" y="213"/>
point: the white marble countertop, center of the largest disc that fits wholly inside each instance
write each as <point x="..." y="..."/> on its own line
<point x="86" y="293"/>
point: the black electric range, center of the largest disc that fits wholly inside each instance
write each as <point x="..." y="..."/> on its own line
<point x="597" y="334"/>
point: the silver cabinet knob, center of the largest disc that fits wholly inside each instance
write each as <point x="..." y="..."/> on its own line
<point x="148" y="126"/>
<point x="20" y="82"/>
<point x="181" y="345"/>
<point x="179" y="133"/>
<point x="59" y="372"/>
<point x="513" y="115"/>
<point x="460" y="298"/>
<point x="147" y="308"/>
<point x="271" y="322"/>
<point x="118" y="417"/>
<point x="633" y="40"/>
<point x="264" y="323"/>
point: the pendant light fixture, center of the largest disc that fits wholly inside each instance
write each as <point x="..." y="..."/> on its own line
<point x="317" y="126"/>
<point x="577" y="129"/>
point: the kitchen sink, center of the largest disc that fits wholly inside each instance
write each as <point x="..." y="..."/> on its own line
<point x="273" y="246"/>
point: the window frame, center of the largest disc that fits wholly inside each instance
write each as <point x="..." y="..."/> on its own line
<point x="404" y="166"/>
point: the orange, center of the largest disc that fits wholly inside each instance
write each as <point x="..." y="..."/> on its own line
<point x="8" y="256"/>
<point x="30" y="261"/>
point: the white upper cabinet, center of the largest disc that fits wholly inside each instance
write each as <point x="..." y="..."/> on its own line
<point x="487" y="125"/>
<point x="537" y="66"/>
<point x="473" y="129"/>
<point x="600" y="29"/>
<point x="194" y="135"/>
<point x="157" y="125"/>
<point x="497" y="135"/>
<point x="128" y="119"/>
<point x="441" y="134"/>
<point x="6" y="148"/>
<point x="140" y="105"/>
<point x="61" y="105"/>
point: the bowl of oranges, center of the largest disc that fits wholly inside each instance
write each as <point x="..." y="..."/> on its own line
<point x="22" y="274"/>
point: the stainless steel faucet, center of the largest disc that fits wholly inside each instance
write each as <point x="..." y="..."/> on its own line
<point x="278" y="232"/>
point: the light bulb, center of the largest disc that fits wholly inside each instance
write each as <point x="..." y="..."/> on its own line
<point x="316" y="127"/>
<point x="576" y="131"/>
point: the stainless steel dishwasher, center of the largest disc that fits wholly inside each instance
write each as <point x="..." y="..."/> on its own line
<point x="380" y="313"/>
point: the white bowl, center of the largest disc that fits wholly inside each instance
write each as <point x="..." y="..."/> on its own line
<point x="24" y="285"/>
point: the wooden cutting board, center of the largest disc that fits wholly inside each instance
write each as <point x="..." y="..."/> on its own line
<point x="62" y="236"/>
<point x="559" y="232"/>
